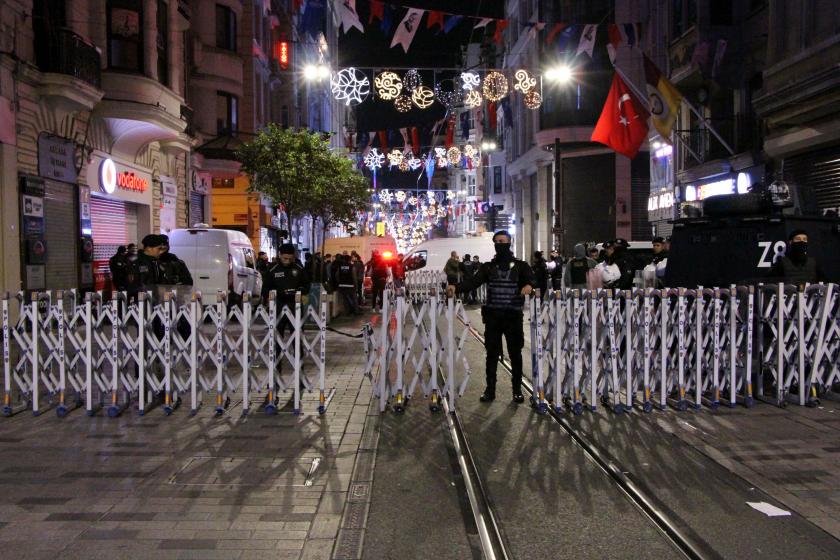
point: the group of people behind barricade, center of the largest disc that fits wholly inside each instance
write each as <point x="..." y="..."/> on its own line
<point x="134" y="271"/>
<point x="457" y="269"/>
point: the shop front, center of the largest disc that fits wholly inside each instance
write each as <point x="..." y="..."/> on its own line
<point x="121" y="198"/>
<point x="199" y="199"/>
<point x="692" y="194"/>
<point x="661" y="201"/>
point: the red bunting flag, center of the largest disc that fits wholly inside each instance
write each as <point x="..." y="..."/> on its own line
<point x="500" y="26"/>
<point x="377" y="10"/>
<point x="435" y="18"/>
<point x="553" y="32"/>
<point x="623" y="123"/>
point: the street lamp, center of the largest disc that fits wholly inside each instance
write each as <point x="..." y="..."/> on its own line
<point x="560" y="74"/>
<point x="488" y="145"/>
<point x="315" y="72"/>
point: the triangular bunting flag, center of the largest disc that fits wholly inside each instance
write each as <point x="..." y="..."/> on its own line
<point x="377" y="9"/>
<point x="407" y="28"/>
<point x="587" y="39"/>
<point x="435" y="18"/>
<point x="451" y="22"/>
<point x="482" y="23"/>
<point x="500" y="26"/>
<point x="348" y="15"/>
<point x="553" y="32"/>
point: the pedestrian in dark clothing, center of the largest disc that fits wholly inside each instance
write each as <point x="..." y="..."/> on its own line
<point x="379" y="276"/>
<point x="118" y="265"/>
<point x="509" y="280"/>
<point x="796" y="266"/>
<point x="577" y="269"/>
<point x="174" y="270"/>
<point x="345" y="279"/>
<point x="359" y="268"/>
<point x="540" y="272"/>
<point x="285" y="278"/>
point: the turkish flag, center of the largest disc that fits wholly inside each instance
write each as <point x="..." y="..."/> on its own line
<point x="623" y="122"/>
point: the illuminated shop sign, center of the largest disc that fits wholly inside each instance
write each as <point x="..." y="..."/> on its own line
<point x="661" y="202"/>
<point x="110" y="178"/>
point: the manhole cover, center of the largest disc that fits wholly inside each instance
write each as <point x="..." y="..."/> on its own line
<point x="246" y="471"/>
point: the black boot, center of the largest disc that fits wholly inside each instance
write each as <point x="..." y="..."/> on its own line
<point x="517" y="396"/>
<point x="489" y="395"/>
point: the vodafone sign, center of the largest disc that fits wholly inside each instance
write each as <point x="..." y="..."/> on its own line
<point x="110" y="178"/>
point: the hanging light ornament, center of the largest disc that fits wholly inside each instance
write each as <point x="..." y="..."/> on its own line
<point x="385" y="196"/>
<point x="400" y="196"/>
<point x="403" y="166"/>
<point x="402" y="104"/>
<point x="395" y="157"/>
<point x="470" y="151"/>
<point x="524" y="81"/>
<point x="388" y="85"/>
<point x="415" y="163"/>
<point x="453" y="155"/>
<point x="440" y="154"/>
<point x="423" y="97"/>
<point x="373" y="160"/>
<point x="533" y="99"/>
<point x="472" y="100"/>
<point x="350" y="85"/>
<point x="470" y="81"/>
<point x="447" y="98"/>
<point x="495" y="86"/>
<point x="412" y="80"/>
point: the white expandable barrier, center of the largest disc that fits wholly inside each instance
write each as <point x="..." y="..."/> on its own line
<point x="413" y="340"/>
<point x="136" y="351"/>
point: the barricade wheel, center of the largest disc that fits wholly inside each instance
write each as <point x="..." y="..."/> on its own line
<point x="114" y="411"/>
<point x="434" y="407"/>
<point x="618" y="408"/>
<point x="542" y="408"/>
<point x="61" y="411"/>
<point x="270" y="409"/>
<point x="558" y="409"/>
<point x="647" y="406"/>
<point x="682" y="406"/>
<point x="7" y="411"/>
<point x="90" y="413"/>
<point x="749" y="402"/>
<point x="168" y="409"/>
<point x="321" y="409"/>
<point x="577" y="408"/>
<point x="399" y="409"/>
<point x="36" y="413"/>
<point x="219" y="411"/>
<point x="714" y="405"/>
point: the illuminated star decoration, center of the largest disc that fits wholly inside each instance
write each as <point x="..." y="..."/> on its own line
<point x="400" y="196"/>
<point x="402" y="104"/>
<point x="414" y="163"/>
<point x="448" y="99"/>
<point x="470" y="81"/>
<point x="388" y="85"/>
<point x="350" y="85"/>
<point x="440" y="154"/>
<point x="395" y="157"/>
<point x="524" y="81"/>
<point x="373" y="161"/>
<point x="412" y="80"/>
<point x="495" y="86"/>
<point x="423" y="97"/>
<point x="472" y="100"/>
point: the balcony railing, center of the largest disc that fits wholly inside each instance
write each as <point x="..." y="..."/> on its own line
<point x="743" y="132"/>
<point x="66" y="52"/>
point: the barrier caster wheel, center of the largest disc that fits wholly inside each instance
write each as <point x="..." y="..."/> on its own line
<point x="270" y="409"/>
<point x="296" y="412"/>
<point x="682" y="406"/>
<point x="114" y="411"/>
<point x="647" y="407"/>
<point x="322" y="409"/>
<point x="399" y="409"/>
<point x="167" y="410"/>
<point x="61" y="411"/>
<point x="193" y="412"/>
<point x="434" y="407"/>
<point x="7" y="411"/>
<point x="749" y="402"/>
<point x="542" y="408"/>
<point x="140" y="413"/>
<point x="714" y="405"/>
<point x="89" y="413"/>
<point x="618" y="409"/>
<point x="577" y="408"/>
<point x="219" y="411"/>
<point x="558" y="409"/>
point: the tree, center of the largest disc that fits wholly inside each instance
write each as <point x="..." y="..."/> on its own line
<point x="298" y="169"/>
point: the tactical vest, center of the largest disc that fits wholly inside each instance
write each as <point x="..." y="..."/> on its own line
<point x="578" y="269"/>
<point x="503" y="288"/>
<point x="345" y="276"/>
<point x="799" y="274"/>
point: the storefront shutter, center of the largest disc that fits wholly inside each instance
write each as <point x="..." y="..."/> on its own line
<point x="61" y="223"/>
<point x="818" y="172"/>
<point x="109" y="226"/>
<point x="196" y="209"/>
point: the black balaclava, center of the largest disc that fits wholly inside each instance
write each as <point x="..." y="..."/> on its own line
<point x="503" y="251"/>
<point x="798" y="252"/>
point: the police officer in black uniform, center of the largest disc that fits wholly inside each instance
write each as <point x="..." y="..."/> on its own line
<point x="285" y="277"/>
<point x="344" y="277"/>
<point x="175" y="271"/>
<point x="508" y="280"/>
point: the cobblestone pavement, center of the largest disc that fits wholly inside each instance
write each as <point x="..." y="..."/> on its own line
<point x="192" y="487"/>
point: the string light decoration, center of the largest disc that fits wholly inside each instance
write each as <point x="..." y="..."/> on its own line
<point x="402" y="104"/>
<point x="414" y="163"/>
<point x="533" y="100"/>
<point x="524" y="81"/>
<point x="412" y="80"/>
<point x="388" y="85"/>
<point x="399" y="196"/>
<point x="470" y="81"/>
<point x="350" y="85"/>
<point x="403" y="166"/>
<point x="495" y="86"/>
<point x="453" y="155"/>
<point x="440" y="155"/>
<point x="448" y="99"/>
<point x="395" y="157"/>
<point x="374" y="160"/>
<point x="470" y="151"/>
<point x="423" y="97"/>
<point x="472" y="100"/>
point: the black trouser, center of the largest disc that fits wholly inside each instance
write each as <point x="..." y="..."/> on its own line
<point x="378" y="291"/>
<point x="509" y="324"/>
<point x="348" y="294"/>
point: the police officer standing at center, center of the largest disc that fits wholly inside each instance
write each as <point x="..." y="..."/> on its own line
<point x="508" y="280"/>
<point x="285" y="277"/>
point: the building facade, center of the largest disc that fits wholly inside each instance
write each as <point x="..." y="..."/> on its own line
<point x="94" y="135"/>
